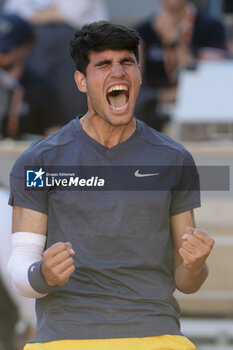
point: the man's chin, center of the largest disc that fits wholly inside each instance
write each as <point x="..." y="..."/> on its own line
<point x="118" y="120"/>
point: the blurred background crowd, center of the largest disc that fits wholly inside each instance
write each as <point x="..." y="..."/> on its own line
<point x="186" y="54"/>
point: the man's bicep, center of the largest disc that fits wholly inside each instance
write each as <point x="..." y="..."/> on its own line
<point x="27" y="220"/>
<point x="178" y="224"/>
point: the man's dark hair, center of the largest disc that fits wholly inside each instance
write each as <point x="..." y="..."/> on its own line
<point x="100" y="36"/>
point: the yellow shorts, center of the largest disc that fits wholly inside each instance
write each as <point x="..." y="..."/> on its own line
<point x="163" y="342"/>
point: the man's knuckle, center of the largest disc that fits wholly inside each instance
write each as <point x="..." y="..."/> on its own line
<point x="211" y="242"/>
<point x="180" y="251"/>
<point x="65" y="255"/>
<point x="207" y="250"/>
<point x="197" y="233"/>
<point x="191" y="239"/>
<point x="70" y="260"/>
<point x="45" y="255"/>
<point x="49" y="264"/>
<point x="200" y="254"/>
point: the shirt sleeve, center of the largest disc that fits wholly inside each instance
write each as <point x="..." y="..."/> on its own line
<point x="27" y="197"/>
<point x="186" y="192"/>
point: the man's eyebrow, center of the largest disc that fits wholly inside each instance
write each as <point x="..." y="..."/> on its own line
<point x="102" y="63"/>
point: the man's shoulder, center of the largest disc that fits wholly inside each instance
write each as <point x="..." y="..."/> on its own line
<point x="158" y="139"/>
<point x="42" y="152"/>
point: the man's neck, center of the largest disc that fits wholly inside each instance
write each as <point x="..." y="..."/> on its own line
<point x="104" y="133"/>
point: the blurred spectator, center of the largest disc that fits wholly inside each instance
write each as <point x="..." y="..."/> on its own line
<point x="172" y="39"/>
<point x="13" y="307"/>
<point x="73" y="12"/>
<point x="55" y="22"/>
<point x="8" y="319"/>
<point x="29" y="103"/>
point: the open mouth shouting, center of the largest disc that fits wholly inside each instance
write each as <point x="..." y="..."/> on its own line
<point x="118" y="97"/>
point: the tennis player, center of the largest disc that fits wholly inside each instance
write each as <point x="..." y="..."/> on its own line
<point x="103" y="262"/>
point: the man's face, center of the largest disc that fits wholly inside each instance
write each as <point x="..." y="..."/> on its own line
<point x="9" y="59"/>
<point x="112" y="84"/>
<point x="174" y="5"/>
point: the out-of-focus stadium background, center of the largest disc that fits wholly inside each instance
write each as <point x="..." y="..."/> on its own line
<point x="207" y="131"/>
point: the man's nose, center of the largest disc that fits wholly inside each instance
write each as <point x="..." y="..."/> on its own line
<point x="117" y="70"/>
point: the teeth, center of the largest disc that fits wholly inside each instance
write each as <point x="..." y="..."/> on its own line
<point x="118" y="87"/>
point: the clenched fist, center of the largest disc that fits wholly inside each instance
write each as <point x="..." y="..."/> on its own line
<point x="195" y="249"/>
<point x="58" y="264"/>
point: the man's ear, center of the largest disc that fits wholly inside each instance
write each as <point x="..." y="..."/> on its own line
<point x="80" y="80"/>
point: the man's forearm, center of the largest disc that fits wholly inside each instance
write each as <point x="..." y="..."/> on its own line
<point x="189" y="281"/>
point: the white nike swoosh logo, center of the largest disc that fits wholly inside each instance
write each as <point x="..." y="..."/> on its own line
<point x="32" y="268"/>
<point x="137" y="174"/>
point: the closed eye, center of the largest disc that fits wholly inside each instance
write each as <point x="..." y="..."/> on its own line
<point x="124" y="61"/>
<point x="103" y="63"/>
<point x="127" y="61"/>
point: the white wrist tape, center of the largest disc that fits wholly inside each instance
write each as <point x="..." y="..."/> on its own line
<point x="27" y="248"/>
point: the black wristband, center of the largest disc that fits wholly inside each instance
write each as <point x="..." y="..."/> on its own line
<point x="37" y="280"/>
